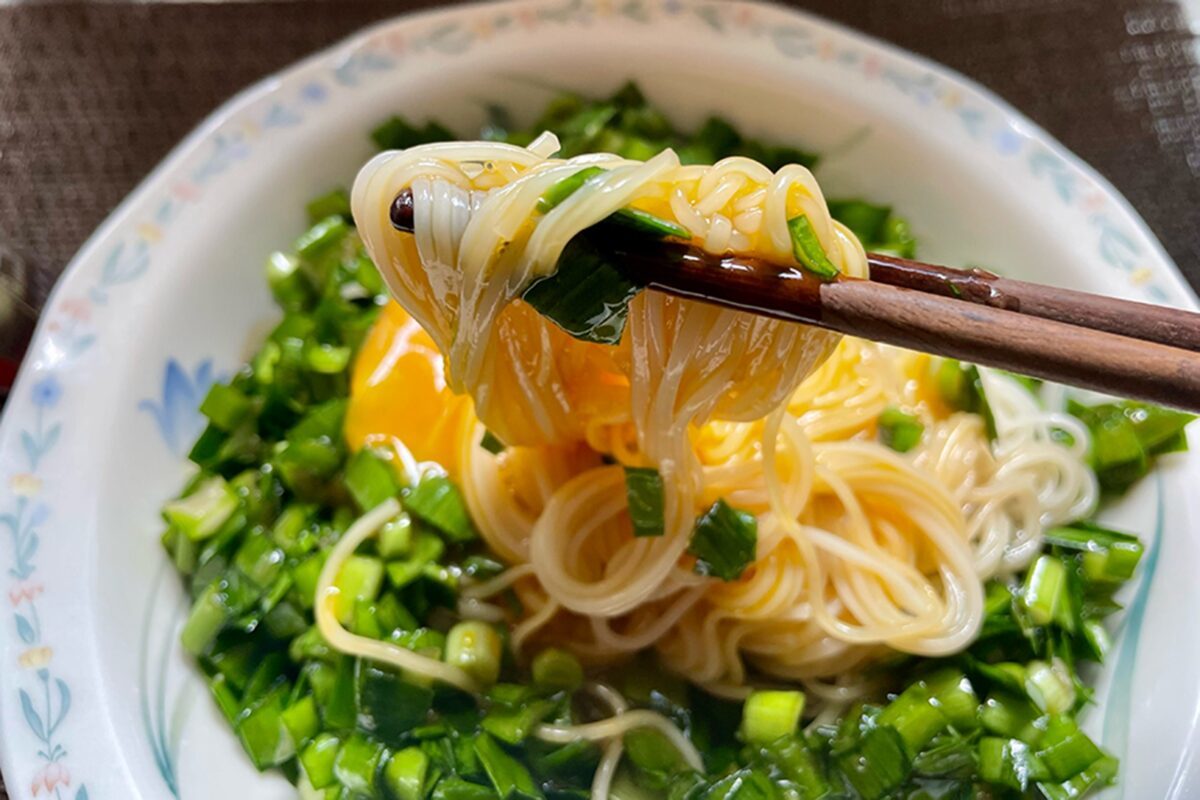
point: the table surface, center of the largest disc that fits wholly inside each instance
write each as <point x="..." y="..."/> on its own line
<point x="92" y="96"/>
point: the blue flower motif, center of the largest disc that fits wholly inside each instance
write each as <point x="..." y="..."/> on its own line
<point x="313" y="92"/>
<point x="178" y="412"/>
<point x="47" y="392"/>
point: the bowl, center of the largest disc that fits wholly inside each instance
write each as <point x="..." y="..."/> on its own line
<point x="96" y="698"/>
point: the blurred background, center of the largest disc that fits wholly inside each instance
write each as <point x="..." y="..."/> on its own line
<point x="93" y="95"/>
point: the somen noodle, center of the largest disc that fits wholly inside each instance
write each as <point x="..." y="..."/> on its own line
<point x="859" y="548"/>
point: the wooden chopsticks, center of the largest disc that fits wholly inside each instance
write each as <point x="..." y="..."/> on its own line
<point x="1120" y="347"/>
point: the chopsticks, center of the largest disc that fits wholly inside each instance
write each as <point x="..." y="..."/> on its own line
<point x="1120" y="347"/>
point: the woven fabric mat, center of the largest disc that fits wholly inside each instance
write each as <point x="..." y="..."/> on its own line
<point x="92" y="96"/>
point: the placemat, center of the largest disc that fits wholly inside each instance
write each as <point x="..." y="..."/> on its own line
<point x="92" y="96"/>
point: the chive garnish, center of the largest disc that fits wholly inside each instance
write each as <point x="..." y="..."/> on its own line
<point x="806" y="248"/>
<point x="644" y="494"/>
<point x="724" y="541"/>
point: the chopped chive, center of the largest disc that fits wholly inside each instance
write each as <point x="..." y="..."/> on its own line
<point x="508" y="776"/>
<point x="566" y="187"/>
<point x="317" y="760"/>
<point x="1049" y="687"/>
<point x="644" y="496"/>
<point x="807" y="250"/>
<point x="587" y="295"/>
<point x="263" y="735"/>
<point x="437" y="501"/>
<point x="357" y="763"/>
<point x="1065" y="750"/>
<point x="225" y="406"/>
<point x="321" y="237"/>
<point x="639" y="221"/>
<point x="1009" y="716"/>
<point x="1108" y="555"/>
<point x="302" y="721"/>
<point x="770" y="715"/>
<point x="202" y="513"/>
<point x="359" y="579"/>
<point x="952" y="693"/>
<point x="289" y="283"/>
<point x="877" y="766"/>
<point x="404" y="775"/>
<point x="326" y="359"/>
<point x="724" y="541"/>
<point x="491" y="442"/>
<point x="475" y="648"/>
<point x="1100" y="773"/>
<point x="208" y="615"/>
<point x="395" y="538"/>
<point x="370" y="479"/>
<point x="388" y="707"/>
<point x="455" y="788"/>
<point x="556" y="669"/>
<point x="1045" y="593"/>
<point x="1009" y="762"/>
<point x="513" y="725"/>
<point x="914" y="717"/>
<point x="333" y="203"/>
<point x="898" y="430"/>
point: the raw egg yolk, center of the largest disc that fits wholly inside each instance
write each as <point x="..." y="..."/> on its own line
<point x="398" y="391"/>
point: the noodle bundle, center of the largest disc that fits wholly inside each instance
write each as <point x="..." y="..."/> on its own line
<point x="860" y="549"/>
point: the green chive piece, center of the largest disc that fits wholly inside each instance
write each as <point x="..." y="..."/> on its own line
<point x="208" y="616"/>
<point x="334" y="203"/>
<point x="437" y="501"/>
<point x="914" y="717"/>
<point x="322" y="237"/>
<point x="491" y="442"/>
<point x="951" y="693"/>
<point x="770" y="715"/>
<point x="1009" y="716"/>
<point x="395" y="539"/>
<point x="508" y="776"/>
<point x="557" y="669"/>
<point x="404" y="775"/>
<point x="639" y="221"/>
<point x="898" y="430"/>
<point x="1065" y="750"/>
<point x="357" y="763"/>
<point x="807" y="250"/>
<point x="644" y="495"/>
<point x="317" y="760"/>
<point x="877" y="766"/>
<point x="302" y="720"/>
<point x="359" y="579"/>
<point x="566" y="187"/>
<point x="262" y="734"/>
<point x="1045" y="593"/>
<point x="475" y="648"/>
<point x="1009" y="762"/>
<point x="370" y="479"/>
<point x="724" y="541"/>
<point x="388" y="707"/>
<point x="225" y="406"/>
<point x="1049" y="687"/>
<point x="202" y="513"/>
<point x="1102" y="772"/>
<point x="587" y="295"/>
<point x="1108" y="556"/>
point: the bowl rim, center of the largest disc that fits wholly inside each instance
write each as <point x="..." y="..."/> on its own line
<point x="121" y="217"/>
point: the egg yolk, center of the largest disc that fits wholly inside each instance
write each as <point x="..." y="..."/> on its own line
<point x="398" y="391"/>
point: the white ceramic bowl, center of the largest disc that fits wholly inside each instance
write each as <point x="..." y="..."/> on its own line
<point x="96" y="700"/>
